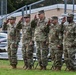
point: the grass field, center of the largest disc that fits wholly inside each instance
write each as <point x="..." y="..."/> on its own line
<point x="5" y="69"/>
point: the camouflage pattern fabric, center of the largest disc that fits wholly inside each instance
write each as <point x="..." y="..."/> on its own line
<point x="42" y="52"/>
<point x="13" y="40"/>
<point x="70" y="44"/>
<point x="55" y="39"/>
<point x="27" y="49"/>
<point x="41" y="37"/>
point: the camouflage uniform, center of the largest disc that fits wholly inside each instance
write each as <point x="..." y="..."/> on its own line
<point x="27" y="49"/>
<point x="41" y="37"/>
<point x="55" y="39"/>
<point x="13" y="41"/>
<point x="69" y="44"/>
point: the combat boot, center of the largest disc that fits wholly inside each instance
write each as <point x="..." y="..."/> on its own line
<point x="41" y="67"/>
<point x="44" y="68"/>
<point x="14" y="66"/>
<point x="25" y="67"/>
<point x="29" y="68"/>
<point x="57" y="69"/>
<point x="70" y="69"/>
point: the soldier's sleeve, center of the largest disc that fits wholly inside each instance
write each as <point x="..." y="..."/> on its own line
<point x="33" y="23"/>
<point x="19" y="25"/>
<point x="31" y="34"/>
<point x="74" y="36"/>
<point x="64" y="30"/>
<point x="47" y="28"/>
<point x="64" y="36"/>
<point x="51" y="36"/>
<point x="60" y="35"/>
<point x="47" y="25"/>
<point x="33" y="26"/>
<point x="4" y="27"/>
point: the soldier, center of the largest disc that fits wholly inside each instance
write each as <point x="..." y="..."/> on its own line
<point x="41" y="38"/>
<point x="55" y="43"/>
<point x="13" y="40"/>
<point x="70" y="43"/>
<point x="27" y="47"/>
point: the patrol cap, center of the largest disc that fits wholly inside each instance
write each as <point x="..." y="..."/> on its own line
<point x="27" y="16"/>
<point x="12" y="18"/>
<point x="70" y="15"/>
<point x="54" y="18"/>
<point x="41" y="12"/>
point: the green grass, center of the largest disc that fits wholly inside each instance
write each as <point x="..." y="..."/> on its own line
<point x="5" y="69"/>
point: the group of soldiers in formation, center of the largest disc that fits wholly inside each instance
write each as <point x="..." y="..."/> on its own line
<point x="48" y="34"/>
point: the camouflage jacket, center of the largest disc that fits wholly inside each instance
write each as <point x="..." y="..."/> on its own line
<point x="70" y="34"/>
<point x="27" y="32"/>
<point x="41" y="30"/>
<point x="55" y="35"/>
<point x="12" y="31"/>
<point x="32" y="24"/>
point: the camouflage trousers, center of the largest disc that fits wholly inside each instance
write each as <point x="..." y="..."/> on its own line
<point x="42" y="53"/>
<point x="12" y="52"/>
<point x="27" y="51"/>
<point x="56" y="56"/>
<point x="67" y="57"/>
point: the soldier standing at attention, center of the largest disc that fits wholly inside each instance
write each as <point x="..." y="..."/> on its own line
<point x="13" y="40"/>
<point x="70" y="43"/>
<point x="55" y="43"/>
<point x="41" y="38"/>
<point x="27" y="47"/>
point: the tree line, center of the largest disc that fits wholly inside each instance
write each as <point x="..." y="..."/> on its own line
<point x="13" y="5"/>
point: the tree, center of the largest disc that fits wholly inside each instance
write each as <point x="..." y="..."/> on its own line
<point x="10" y="6"/>
<point x="15" y="4"/>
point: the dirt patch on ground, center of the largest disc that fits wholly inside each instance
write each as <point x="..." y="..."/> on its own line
<point x="9" y="67"/>
<point x="5" y="67"/>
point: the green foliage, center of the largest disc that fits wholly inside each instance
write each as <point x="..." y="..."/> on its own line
<point x="15" y="4"/>
<point x="10" y="6"/>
